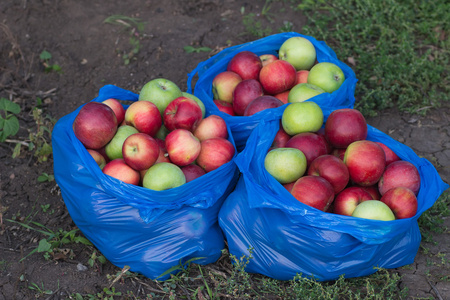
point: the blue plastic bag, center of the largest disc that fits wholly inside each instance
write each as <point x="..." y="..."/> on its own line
<point x="288" y="237"/>
<point x="150" y="231"/>
<point x="241" y="126"/>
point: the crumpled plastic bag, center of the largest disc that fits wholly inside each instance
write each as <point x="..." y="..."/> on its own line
<point x="241" y="126"/>
<point x="287" y="237"/>
<point x="150" y="231"/>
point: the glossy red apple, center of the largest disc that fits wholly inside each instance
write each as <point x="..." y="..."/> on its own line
<point x="140" y="151"/>
<point x="182" y="113"/>
<point x="314" y="191"/>
<point x="210" y="127"/>
<point x="224" y="107"/>
<point x="345" y="126"/>
<point x="143" y="115"/>
<point x="223" y="85"/>
<point x="339" y="152"/>
<point x="332" y="169"/>
<point x="310" y="143"/>
<point x="246" y="64"/>
<point x="277" y="77"/>
<point x="119" y="169"/>
<point x="400" y="173"/>
<point x="95" y="125"/>
<point x="365" y="161"/>
<point x="402" y="201"/>
<point x="244" y="93"/>
<point x="163" y="155"/>
<point x="214" y="153"/>
<point x="117" y="107"/>
<point x="182" y="146"/>
<point x="390" y="155"/>
<point x="346" y="201"/>
<point x="192" y="172"/>
<point x="262" y="103"/>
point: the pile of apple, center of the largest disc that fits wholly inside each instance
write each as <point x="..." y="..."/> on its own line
<point x="334" y="168"/>
<point x="254" y="83"/>
<point x="161" y="141"/>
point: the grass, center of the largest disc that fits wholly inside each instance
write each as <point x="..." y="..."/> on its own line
<point x="401" y="49"/>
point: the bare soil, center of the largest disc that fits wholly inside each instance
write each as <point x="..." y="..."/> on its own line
<point x="90" y="54"/>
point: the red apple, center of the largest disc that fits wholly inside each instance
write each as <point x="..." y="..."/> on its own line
<point x="345" y="126"/>
<point x="262" y="103"/>
<point x="182" y="113"/>
<point x="119" y="169"/>
<point x="365" y="161"/>
<point x="244" y="93"/>
<point x="314" y="191"/>
<point x="223" y="85"/>
<point x="346" y="201"/>
<point x="192" y="172"/>
<point x="400" y="173"/>
<point x="117" y="107"/>
<point x="301" y="76"/>
<point x="224" y="107"/>
<point x="246" y="64"/>
<point x="214" y="153"/>
<point x="267" y="59"/>
<point x="402" y="201"/>
<point x="332" y="169"/>
<point x="182" y="146"/>
<point x="288" y="186"/>
<point x="277" y="77"/>
<point x="210" y="127"/>
<point x="310" y="143"/>
<point x="283" y="96"/>
<point x="140" y="151"/>
<point x="339" y="152"/>
<point x="321" y="133"/>
<point x="144" y="116"/>
<point x="280" y="139"/>
<point x="99" y="158"/>
<point x="373" y="191"/>
<point x="390" y="155"/>
<point x="163" y="155"/>
<point x="95" y="125"/>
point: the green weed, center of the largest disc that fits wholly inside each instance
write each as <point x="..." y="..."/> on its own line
<point x="45" y="58"/>
<point x="9" y="124"/>
<point x="40" y="290"/>
<point x="400" y="49"/>
<point x="44" y="177"/>
<point x="432" y="219"/>
<point x="191" y="49"/>
<point x="134" y="27"/>
<point x="53" y="240"/>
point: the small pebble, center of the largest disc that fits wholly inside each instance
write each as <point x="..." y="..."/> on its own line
<point x="81" y="267"/>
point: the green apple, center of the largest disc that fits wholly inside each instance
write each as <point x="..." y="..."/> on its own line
<point x="298" y="51"/>
<point x="163" y="176"/>
<point x="327" y="76"/>
<point x="285" y="164"/>
<point x="199" y="102"/>
<point x="303" y="91"/>
<point x="161" y="92"/>
<point x="373" y="210"/>
<point x="114" y="148"/>
<point x="301" y="117"/>
<point x="162" y="132"/>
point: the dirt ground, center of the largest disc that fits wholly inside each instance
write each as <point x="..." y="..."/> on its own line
<point x="90" y="54"/>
